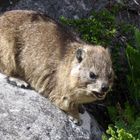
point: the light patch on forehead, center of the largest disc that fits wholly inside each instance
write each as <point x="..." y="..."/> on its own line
<point x="75" y="70"/>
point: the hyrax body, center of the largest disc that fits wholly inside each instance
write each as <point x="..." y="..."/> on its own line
<point x="52" y="60"/>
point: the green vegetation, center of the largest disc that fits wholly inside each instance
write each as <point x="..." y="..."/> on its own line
<point x="133" y="57"/>
<point x="128" y="117"/>
<point x="123" y="102"/>
<point x="118" y="134"/>
<point x="98" y="29"/>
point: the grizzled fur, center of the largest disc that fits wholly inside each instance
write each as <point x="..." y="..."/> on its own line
<point x="36" y="49"/>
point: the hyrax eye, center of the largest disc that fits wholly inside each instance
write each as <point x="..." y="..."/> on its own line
<point x="92" y="75"/>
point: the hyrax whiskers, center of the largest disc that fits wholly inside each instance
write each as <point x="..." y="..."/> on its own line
<point x="38" y="50"/>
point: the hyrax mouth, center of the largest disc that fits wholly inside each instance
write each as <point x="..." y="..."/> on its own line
<point x="98" y="94"/>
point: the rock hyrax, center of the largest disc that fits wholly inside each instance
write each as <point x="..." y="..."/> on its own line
<point x="40" y="51"/>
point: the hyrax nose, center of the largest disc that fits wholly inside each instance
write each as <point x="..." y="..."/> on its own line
<point x="104" y="87"/>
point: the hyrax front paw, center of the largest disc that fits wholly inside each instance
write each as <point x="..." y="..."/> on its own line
<point x="78" y="122"/>
<point x="18" y="82"/>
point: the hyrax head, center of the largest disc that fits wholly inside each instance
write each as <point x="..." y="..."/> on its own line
<point x="91" y="73"/>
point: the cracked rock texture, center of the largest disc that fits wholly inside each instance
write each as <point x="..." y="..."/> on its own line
<point x="57" y="8"/>
<point x="26" y="115"/>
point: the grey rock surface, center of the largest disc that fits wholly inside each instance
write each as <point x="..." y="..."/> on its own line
<point x="57" y="8"/>
<point x="26" y="115"/>
<point x="130" y="13"/>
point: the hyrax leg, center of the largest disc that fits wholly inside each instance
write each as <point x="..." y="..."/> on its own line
<point x="73" y="112"/>
<point x="74" y="116"/>
<point x="67" y="104"/>
<point x="17" y="82"/>
<point x="7" y="51"/>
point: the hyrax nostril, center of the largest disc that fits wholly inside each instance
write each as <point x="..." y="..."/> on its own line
<point x="104" y="87"/>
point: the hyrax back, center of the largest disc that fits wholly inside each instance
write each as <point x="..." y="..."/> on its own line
<point x="52" y="60"/>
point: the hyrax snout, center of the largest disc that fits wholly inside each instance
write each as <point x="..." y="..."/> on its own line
<point x="60" y="66"/>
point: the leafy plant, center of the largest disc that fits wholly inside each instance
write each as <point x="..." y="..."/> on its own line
<point x="99" y="28"/>
<point x="127" y="118"/>
<point x="127" y="121"/>
<point x="133" y="57"/>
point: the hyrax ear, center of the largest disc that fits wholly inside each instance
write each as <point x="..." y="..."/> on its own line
<point x="80" y="53"/>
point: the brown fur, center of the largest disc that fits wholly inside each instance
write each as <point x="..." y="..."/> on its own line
<point x="40" y="51"/>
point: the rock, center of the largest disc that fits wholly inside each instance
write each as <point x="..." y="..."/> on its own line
<point x="55" y="8"/>
<point x="26" y="115"/>
<point x="129" y="13"/>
